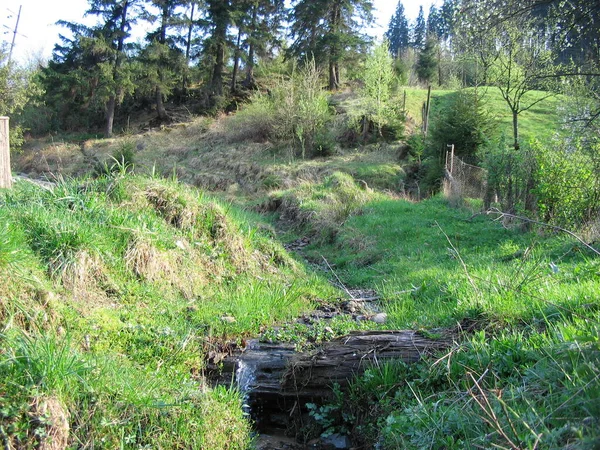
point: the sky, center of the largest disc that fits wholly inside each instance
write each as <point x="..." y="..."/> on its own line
<point x="37" y="32"/>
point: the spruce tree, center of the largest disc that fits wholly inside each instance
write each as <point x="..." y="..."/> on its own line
<point x="427" y="62"/>
<point x="329" y="30"/>
<point x="105" y="44"/>
<point x="218" y="20"/>
<point x="161" y="58"/>
<point x="434" y="23"/>
<point x="259" y="24"/>
<point x="420" y="31"/>
<point x="398" y="34"/>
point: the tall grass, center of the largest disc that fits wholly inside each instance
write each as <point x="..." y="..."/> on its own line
<point x="140" y="272"/>
<point x="523" y="308"/>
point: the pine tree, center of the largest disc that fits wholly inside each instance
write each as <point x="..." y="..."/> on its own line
<point x="329" y="30"/>
<point x="264" y="28"/>
<point x="419" y="31"/>
<point x="427" y="62"/>
<point x="448" y="18"/>
<point x="162" y="60"/>
<point x="117" y="17"/>
<point x="259" y="25"/>
<point x="219" y="19"/>
<point x="398" y="32"/>
<point x="434" y="23"/>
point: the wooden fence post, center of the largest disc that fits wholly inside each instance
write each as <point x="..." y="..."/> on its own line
<point x="5" y="172"/>
<point x="426" y="115"/>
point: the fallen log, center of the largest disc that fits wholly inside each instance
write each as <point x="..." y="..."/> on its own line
<point x="267" y="368"/>
<point x="278" y="381"/>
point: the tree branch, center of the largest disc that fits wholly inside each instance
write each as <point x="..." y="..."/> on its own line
<point x="502" y="214"/>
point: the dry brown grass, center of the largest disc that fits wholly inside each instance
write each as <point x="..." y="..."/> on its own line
<point x="143" y="259"/>
<point x="87" y="281"/>
<point x="54" y="415"/>
<point x="171" y="206"/>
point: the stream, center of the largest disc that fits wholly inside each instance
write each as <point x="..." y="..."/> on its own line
<point x="278" y="380"/>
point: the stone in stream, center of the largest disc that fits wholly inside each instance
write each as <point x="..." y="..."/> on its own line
<point x="337" y="441"/>
<point x="379" y="318"/>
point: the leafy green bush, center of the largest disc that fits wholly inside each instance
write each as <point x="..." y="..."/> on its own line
<point x="510" y="174"/>
<point x="296" y="111"/>
<point x="374" y="114"/>
<point x="567" y="184"/>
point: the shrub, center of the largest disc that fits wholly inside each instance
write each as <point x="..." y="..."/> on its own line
<point x="464" y="122"/>
<point x="567" y="184"/>
<point x="255" y="121"/>
<point x="374" y="111"/>
<point x="296" y="111"/>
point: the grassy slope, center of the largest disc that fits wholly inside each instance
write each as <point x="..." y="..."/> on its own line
<point x="230" y="153"/>
<point x="526" y="373"/>
<point x="114" y="290"/>
<point x="540" y="122"/>
<point x="533" y="297"/>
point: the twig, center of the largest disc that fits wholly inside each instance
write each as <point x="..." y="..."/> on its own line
<point x="489" y="414"/>
<point x="502" y="214"/>
<point x="338" y="278"/>
<point x="366" y="299"/>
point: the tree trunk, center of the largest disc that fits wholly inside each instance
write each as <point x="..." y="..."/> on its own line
<point x="110" y="115"/>
<point x="217" y="75"/>
<point x="236" y="62"/>
<point x="112" y="100"/>
<point x="515" y="115"/>
<point x="249" y="81"/>
<point x="279" y="369"/>
<point x="5" y="172"/>
<point x="188" y="48"/>
<point x="440" y="81"/>
<point x="220" y="14"/>
<point x="334" y="70"/>
<point x="160" y="106"/>
<point x="333" y="76"/>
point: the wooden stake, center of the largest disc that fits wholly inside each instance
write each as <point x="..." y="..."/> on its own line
<point x="451" y="158"/>
<point x="5" y="173"/>
<point x="428" y="104"/>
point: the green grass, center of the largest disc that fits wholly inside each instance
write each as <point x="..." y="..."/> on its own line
<point x="117" y="288"/>
<point x="541" y="122"/>
<point x="529" y="376"/>
<point x="414" y="254"/>
<point x="113" y="292"/>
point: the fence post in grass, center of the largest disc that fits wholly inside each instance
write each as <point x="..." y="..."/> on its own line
<point x="451" y="146"/>
<point x="426" y="113"/>
<point x="5" y="173"/>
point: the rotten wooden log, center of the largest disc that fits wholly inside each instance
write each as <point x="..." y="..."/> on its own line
<point x="277" y="369"/>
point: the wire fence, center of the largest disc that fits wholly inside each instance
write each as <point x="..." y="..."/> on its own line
<point x="463" y="180"/>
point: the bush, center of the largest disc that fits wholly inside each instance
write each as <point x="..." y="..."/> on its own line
<point x="374" y="114"/>
<point x="254" y="121"/>
<point x="510" y="173"/>
<point x="295" y="111"/>
<point x="568" y="186"/>
<point x="464" y="122"/>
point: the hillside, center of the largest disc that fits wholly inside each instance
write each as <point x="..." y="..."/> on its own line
<point x="231" y="155"/>
<point x="114" y="292"/>
<point x="121" y="289"/>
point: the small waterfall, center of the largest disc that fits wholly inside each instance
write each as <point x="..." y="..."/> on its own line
<point x="245" y="378"/>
